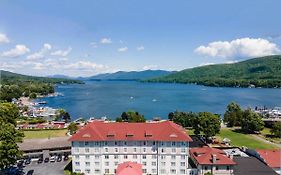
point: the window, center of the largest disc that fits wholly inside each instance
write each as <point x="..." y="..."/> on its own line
<point x="162" y="143"/>
<point x="97" y="163"/>
<point x="163" y="171"/>
<point x="173" y="171"/>
<point x="77" y="163"/>
<point x="144" y="150"/>
<point x="154" y="171"/>
<point x="173" y="157"/>
<point x="206" y="167"/>
<point x="86" y="143"/>
<point x="77" y="170"/>
<point x="76" y="150"/>
<point x="173" y="163"/>
<point x="183" y="143"/>
<point x="182" y="157"/>
<point x="173" y="143"/>
<point x="217" y="168"/>
<point x="163" y="163"/>
<point x="106" y="150"/>
<point x="182" y="171"/>
<point x="135" y="156"/>
<point x="105" y="143"/>
<point x="96" y="150"/>
<point x="154" y="143"/>
<point x="182" y="163"/>
<point x="106" y="156"/>
<point x="116" y="150"/>
<point x="76" y="156"/>
<point x="88" y="171"/>
<point x="227" y="167"/>
<point x="106" y="171"/>
<point x="115" y="156"/>
<point x="144" y="163"/>
<point x="144" y="156"/>
<point x="125" y="143"/>
<point x="135" y="149"/>
<point x="125" y="150"/>
<point x="144" y="143"/>
<point x="162" y="150"/>
<point x="125" y="157"/>
<point x="115" y="163"/>
<point x="163" y="157"/>
<point x="87" y="163"/>
<point x="106" y="163"/>
<point x="154" y="156"/>
<point x="97" y="171"/>
<point x="173" y="150"/>
<point x="87" y="157"/>
<point x="144" y="170"/>
<point x="183" y="150"/>
<point x="97" y="156"/>
<point x="87" y="150"/>
<point x="153" y="163"/>
<point x="115" y="143"/>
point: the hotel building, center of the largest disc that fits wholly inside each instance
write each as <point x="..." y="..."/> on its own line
<point x="159" y="147"/>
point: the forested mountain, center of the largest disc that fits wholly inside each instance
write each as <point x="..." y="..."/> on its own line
<point x="132" y="75"/>
<point x="260" y="72"/>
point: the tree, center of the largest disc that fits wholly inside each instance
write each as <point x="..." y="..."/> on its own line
<point x="251" y="122"/>
<point x="63" y="115"/>
<point x="32" y="95"/>
<point x="207" y="123"/>
<point x="72" y="128"/>
<point x="184" y="119"/>
<point x="233" y="115"/>
<point x="9" y="136"/>
<point x="276" y="129"/>
<point x="131" y="116"/>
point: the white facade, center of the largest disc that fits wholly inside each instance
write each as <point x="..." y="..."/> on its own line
<point x="156" y="157"/>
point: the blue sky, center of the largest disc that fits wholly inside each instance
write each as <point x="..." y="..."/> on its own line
<point x="81" y="38"/>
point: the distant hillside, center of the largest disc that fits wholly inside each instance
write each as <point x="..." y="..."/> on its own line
<point x="132" y="75"/>
<point x="60" y="76"/>
<point x="261" y="72"/>
<point x="7" y="77"/>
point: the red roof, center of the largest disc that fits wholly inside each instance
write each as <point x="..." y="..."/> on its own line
<point x="271" y="157"/>
<point x="104" y="131"/>
<point x="129" y="168"/>
<point x="207" y="155"/>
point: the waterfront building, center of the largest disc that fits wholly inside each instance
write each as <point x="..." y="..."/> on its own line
<point x="160" y="147"/>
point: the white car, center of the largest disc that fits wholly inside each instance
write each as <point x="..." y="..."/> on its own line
<point x="53" y="159"/>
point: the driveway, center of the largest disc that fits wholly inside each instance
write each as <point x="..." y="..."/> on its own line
<point x="55" y="168"/>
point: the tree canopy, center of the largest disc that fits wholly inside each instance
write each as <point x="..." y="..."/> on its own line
<point x="276" y="129"/>
<point x="251" y="122"/>
<point x="233" y="115"/>
<point x="131" y="117"/>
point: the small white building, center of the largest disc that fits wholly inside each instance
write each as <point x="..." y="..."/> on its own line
<point x="160" y="147"/>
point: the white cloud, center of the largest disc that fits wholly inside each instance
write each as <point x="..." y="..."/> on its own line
<point x="41" y="53"/>
<point x="206" y="64"/>
<point x="239" y="48"/>
<point x="140" y="48"/>
<point x="94" y="44"/>
<point x="4" y="38"/>
<point x="122" y="49"/>
<point x="19" y="50"/>
<point x="62" y="53"/>
<point x="150" y="67"/>
<point x="105" y="41"/>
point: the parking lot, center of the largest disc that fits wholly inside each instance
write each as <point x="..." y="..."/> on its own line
<point x="50" y="168"/>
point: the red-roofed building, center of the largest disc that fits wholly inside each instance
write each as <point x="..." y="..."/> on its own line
<point x="161" y="147"/>
<point x="211" y="160"/>
<point x="129" y="168"/>
<point x="272" y="158"/>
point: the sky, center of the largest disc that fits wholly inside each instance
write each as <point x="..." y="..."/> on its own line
<point x="84" y="38"/>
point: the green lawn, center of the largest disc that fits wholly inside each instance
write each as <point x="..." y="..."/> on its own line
<point x="44" y="133"/>
<point x="239" y="139"/>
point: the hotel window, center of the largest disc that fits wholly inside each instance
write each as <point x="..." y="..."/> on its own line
<point x="163" y="171"/>
<point x="96" y="150"/>
<point x="182" y="163"/>
<point x="144" y="170"/>
<point x="183" y="143"/>
<point x="125" y="143"/>
<point x="77" y="170"/>
<point x="115" y="143"/>
<point x="106" y="171"/>
<point x="106" y="163"/>
<point x="135" y="156"/>
<point x="144" y="143"/>
<point x="154" y="143"/>
<point x="144" y="163"/>
<point x="97" y="156"/>
<point x="206" y="167"/>
<point x="173" y="150"/>
<point x="162" y="143"/>
<point x="163" y="157"/>
<point x="81" y="144"/>
<point x="116" y="150"/>
<point x="87" y="150"/>
<point x="162" y="150"/>
<point x="135" y="149"/>
<point x="154" y="156"/>
<point x="77" y="163"/>
<point x="153" y="163"/>
<point x="115" y="156"/>
<point x="106" y="156"/>
<point x="97" y="171"/>
<point x="105" y="143"/>
<point x="182" y="171"/>
<point x="97" y="163"/>
<point x="115" y="163"/>
<point x="86" y="143"/>
<point x="106" y="150"/>
<point x="217" y="168"/>
<point x="144" y="156"/>
<point x="183" y="150"/>
<point x="125" y="150"/>
<point x="125" y="157"/>
<point x="144" y="150"/>
<point x="173" y="171"/>
<point x="76" y="150"/>
<point x="87" y="163"/>
<point x="182" y="157"/>
<point x="163" y="163"/>
<point x="173" y="143"/>
<point x="76" y="156"/>
<point x="87" y="157"/>
<point x="154" y="171"/>
<point x="173" y="157"/>
<point x="173" y="163"/>
<point x="87" y="171"/>
<point x="227" y="167"/>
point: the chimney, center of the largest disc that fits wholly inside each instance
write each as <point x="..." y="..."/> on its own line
<point x="214" y="158"/>
<point x="231" y="156"/>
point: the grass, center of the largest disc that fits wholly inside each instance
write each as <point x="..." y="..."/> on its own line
<point x="267" y="135"/>
<point x="240" y="139"/>
<point x="44" y="133"/>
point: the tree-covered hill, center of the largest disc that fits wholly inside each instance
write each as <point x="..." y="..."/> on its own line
<point x="14" y="85"/>
<point x="261" y="72"/>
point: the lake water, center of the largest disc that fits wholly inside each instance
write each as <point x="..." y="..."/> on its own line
<point x="111" y="98"/>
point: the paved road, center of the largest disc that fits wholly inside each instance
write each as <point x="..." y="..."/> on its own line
<point x="55" y="168"/>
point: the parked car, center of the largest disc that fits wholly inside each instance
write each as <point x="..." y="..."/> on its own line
<point x="46" y="160"/>
<point x="53" y="159"/>
<point x="65" y="158"/>
<point x="27" y="161"/>
<point x="20" y="163"/>
<point x="40" y="160"/>
<point x="59" y="158"/>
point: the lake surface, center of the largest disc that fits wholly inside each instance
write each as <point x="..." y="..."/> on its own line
<point x="111" y="98"/>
